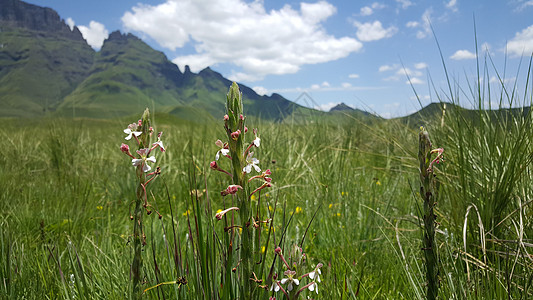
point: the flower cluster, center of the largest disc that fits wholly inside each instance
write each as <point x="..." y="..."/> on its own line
<point x="144" y="155"/>
<point x="290" y="284"/>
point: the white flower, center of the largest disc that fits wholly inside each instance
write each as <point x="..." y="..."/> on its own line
<point x="130" y="133"/>
<point x="274" y="287"/>
<point x="313" y="287"/>
<point x="290" y="279"/>
<point x="251" y="162"/>
<point x="223" y="149"/>
<point x="143" y="160"/>
<point x="316" y="273"/>
<point x="257" y="141"/>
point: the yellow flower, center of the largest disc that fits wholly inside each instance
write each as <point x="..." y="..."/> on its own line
<point x="267" y="195"/>
<point x="262" y="249"/>
<point x="330" y="205"/>
<point x="173" y="197"/>
<point x="270" y="208"/>
<point x="378" y="183"/>
<point x="187" y="212"/>
<point x="338" y="214"/>
<point x="99" y="207"/>
<point x="298" y="209"/>
<point x="219" y="211"/>
<point x="253" y="197"/>
<point x="240" y="230"/>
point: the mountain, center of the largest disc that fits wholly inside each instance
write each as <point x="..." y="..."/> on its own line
<point x="47" y="68"/>
<point x="41" y="59"/>
<point x="341" y="107"/>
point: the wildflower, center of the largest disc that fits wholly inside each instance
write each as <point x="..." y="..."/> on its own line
<point x="290" y="279"/>
<point x="159" y="143"/>
<point x="143" y="160"/>
<point x="313" y="287"/>
<point x="275" y="286"/>
<point x="224" y="149"/>
<point x="316" y="273"/>
<point x="257" y="140"/>
<point x="235" y="135"/>
<point x="437" y="159"/>
<point x="298" y="209"/>
<point x="232" y="189"/>
<point x="221" y="214"/>
<point x="251" y="162"/>
<point x="130" y="131"/>
<point x="99" y="207"/>
<point x="186" y="213"/>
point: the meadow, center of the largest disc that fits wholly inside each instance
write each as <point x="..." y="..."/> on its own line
<point x="347" y="194"/>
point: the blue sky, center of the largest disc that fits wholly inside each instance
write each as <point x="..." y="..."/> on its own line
<point x="357" y="52"/>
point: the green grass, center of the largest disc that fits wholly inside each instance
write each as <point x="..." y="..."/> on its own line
<point x="67" y="192"/>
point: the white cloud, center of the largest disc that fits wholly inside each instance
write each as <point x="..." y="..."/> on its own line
<point x="404" y="3"/>
<point x="415" y="80"/>
<point x="385" y="68"/>
<point x="346" y="85"/>
<point x="353" y="76"/>
<point x="242" y="33"/>
<point x="452" y="5"/>
<point x="408" y="72"/>
<point x="70" y="23"/>
<point x="524" y="5"/>
<point x="95" y="34"/>
<point x="327" y="106"/>
<point x="260" y="90"/>
<point x="412" y="24"/>
<point x="522" y="43"/>
<point x="424" y="24"/>
<point x="463" y="54"/>
<point x="421" y="65"/>
<point x="325" y="84"/>
<point x="374" y="31"/>
<point x="369" y="10"/>
<point x="315" y="86"/>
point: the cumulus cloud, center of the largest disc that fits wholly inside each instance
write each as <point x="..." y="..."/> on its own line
<point x="414" y="80"/>
<point x="369" y="10"/>
<point x="424" y="26"/>
<point x="522" y="43"/>
<point x="462" y="55"/>
<point x="95" y="34"/>
<point x="452" y="5"/>
<point x="353" y="76"/>
<point x="421" y="65"/>
<point x="70" y="23"/>
<point x="374" y="31"/>
<point x="385" y="68"/>
<point x="242" y="33"/>
<point x="260" y="90"/>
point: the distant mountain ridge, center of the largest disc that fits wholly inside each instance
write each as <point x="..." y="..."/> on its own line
<point x="47" y="68"/>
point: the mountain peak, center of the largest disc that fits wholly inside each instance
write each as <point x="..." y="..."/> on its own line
<point x="21" y="14"/>
<point x="341" y="107"/>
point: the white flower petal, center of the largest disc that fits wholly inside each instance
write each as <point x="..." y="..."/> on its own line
<point x="247" y="169"/>
<point x="127" y="131"/>
<point x="289" y="287"/>
<point x="312" y="275"/>
<point x="256" y="168"/>
<point x="296" y="281"/>
<point x="284" y="280"/>
<point x="224" y="151"/>
<point x="137" y="133"/>
<point x="146" y="168"/>
<point x="257" y="142"/>
<point x="255" y="161"/>
<point x="217" y="156"/>
<point x="135" y="162"/>
<point x="151" y="158"/>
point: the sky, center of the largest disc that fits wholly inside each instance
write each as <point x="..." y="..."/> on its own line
<point x="378" y="56"/>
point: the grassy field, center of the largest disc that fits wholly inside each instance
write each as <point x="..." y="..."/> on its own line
<point x="347" y="194"/>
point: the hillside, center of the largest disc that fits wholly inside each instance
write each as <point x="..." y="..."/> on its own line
<point x="47" y="69"/>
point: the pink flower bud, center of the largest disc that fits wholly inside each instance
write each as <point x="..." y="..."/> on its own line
<point x="231" y="190"/>
<point x="277" y="250"/>
<point x="267" y="172"/>
<point x="245" y="129"/>
<point x="235" y="135"/>
<point x="140" y="123"/>
<point x="241" y="117"/>
<point x="125" y="148"/>
<point x="226" y="117"/>
<point x="213" y="165"/>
